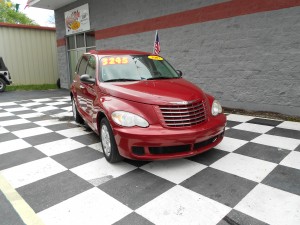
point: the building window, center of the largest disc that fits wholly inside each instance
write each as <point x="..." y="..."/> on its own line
<point x="80" y="40"/>
<point x="71" y="42"/>
<point x="78" y="44"/>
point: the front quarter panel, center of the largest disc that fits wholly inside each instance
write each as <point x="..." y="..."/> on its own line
<point x="109" y="104"/>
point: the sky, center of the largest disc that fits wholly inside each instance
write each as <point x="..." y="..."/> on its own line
<point x="40" y="16"/>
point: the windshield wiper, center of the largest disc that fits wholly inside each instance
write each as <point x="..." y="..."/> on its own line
<point x="120" y="79"/>
<point x="159" y="78"/>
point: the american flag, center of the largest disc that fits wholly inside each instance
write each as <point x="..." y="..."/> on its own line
<point x="156" y="47"/>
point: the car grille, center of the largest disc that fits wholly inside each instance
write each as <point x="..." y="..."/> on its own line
<point x="183" y="115"/>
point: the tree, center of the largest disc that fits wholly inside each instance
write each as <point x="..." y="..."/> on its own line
<point x="10" y="14"/>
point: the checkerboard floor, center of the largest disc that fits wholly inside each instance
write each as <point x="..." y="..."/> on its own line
<point x="56" y="165"/>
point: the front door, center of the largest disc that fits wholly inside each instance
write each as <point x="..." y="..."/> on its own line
<point x="90" y="94"/>
<point x="80" y="86"/>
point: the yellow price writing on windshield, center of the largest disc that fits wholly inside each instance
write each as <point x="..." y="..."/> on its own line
<point x="114" y="60"/>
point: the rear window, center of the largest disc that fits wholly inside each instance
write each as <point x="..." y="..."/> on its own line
<point x="2" y="66"/>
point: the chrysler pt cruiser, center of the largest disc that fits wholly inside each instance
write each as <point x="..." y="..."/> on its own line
<point x="142" y="108"/>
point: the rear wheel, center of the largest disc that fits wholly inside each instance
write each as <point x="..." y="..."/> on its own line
<point x="2" y="85"/>
<point x="77" y="117"/>
<point x="109" y="146"/>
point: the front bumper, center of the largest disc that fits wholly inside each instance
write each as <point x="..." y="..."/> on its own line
<point x="157" y="142"/>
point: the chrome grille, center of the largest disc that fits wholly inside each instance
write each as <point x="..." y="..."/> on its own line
<point x="183" y="115"/>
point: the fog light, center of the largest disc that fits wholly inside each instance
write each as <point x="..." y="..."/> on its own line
<point x="138" y="150"/>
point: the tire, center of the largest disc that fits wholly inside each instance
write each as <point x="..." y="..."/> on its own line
<point x="77" y="117"/>
<point x="2" y="85"/>
<point x="108" y="143"/>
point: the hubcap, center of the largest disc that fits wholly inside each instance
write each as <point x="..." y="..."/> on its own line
<point x="105" y="139"/>
<point x="74" y="109"/>
<point x="1" y="85"/>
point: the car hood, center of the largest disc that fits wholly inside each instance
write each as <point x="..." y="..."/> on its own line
<point x="156" y="92"/>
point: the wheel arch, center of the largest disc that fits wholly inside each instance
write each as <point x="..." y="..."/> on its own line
<point x="2" y="76"/>
<point x="100" y="116"/>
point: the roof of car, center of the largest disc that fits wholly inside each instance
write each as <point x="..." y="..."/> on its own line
<point x="118" y="52"/>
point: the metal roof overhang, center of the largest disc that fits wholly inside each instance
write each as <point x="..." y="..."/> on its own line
<point x="49" y="4"/>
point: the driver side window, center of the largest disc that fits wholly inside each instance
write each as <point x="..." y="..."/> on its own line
<point x="91" y="67"/>
<point x="82" y="65"/>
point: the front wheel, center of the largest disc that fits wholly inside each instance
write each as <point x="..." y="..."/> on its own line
<point x="109" y="146"/>
<point x="2" y="85"/>
<point x="76" y="115"/>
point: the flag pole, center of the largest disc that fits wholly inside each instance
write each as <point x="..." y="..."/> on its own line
<point x="154" y="42"/>
<point x="27" y="4"/>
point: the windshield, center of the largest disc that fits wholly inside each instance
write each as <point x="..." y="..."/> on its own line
<point x="135" y="68"/>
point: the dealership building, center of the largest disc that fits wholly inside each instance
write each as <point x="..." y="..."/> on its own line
<point x="244" y="52"/>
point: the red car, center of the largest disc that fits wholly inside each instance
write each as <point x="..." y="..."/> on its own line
<point x="142" y="108"/>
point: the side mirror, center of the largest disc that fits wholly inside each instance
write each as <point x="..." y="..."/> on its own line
<point x="179" y="72"/>
<point x="87" y="79"/>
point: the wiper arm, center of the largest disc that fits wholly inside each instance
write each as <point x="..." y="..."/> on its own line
<point x="120" y="79"/>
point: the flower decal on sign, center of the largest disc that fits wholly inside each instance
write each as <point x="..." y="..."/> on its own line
<point x="72" y="20"/>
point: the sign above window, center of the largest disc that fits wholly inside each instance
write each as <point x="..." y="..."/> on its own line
<point x="77" y="20"/>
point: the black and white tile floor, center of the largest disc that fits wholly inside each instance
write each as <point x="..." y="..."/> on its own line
<point x="252" y="177"/>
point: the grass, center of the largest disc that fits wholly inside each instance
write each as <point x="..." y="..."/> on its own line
<point x="30" y="87"/>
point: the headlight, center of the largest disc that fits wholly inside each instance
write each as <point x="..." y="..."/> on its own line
<point x="127" y="119"/>
<point x="216" y="108"/>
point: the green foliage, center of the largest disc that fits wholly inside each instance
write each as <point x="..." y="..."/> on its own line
<point x="30" y="87"/>
<point x="10" y="15"/>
